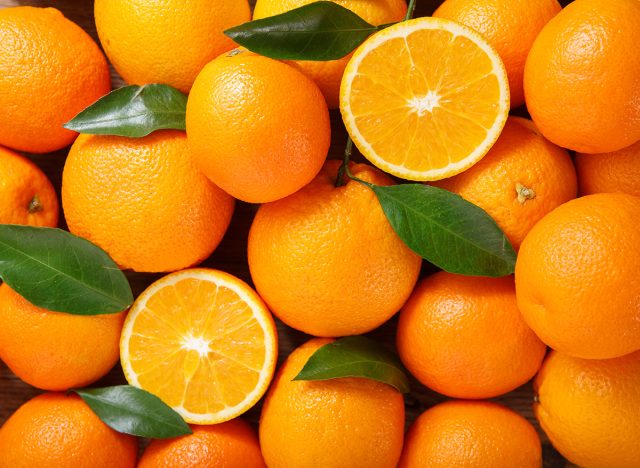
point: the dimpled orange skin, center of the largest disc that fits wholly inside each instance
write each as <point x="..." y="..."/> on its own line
<point x="54" y="350"/>
<point x="522" y="178"/>
<point x="166" y="41"/>
<point x="464" y="336"/>
<point x="327" y="261"/>
<point x="580" y="77"/>
<point x="55" y="430"/>
<point x="143" y="201"/>
<point x="258" y="128"/>
<point x="589" y="409"/>
<point x="26" y="193"/>
<point x="576" y="277"/>
<point x="50" y="70"/>
<point x="232" y="444"/>
<point x="618" y="171"/>
<point x="328" y="74"/>
<point x="474" y="434"/>
<point x="340" y="422"/>
<point x="510" y="26"/>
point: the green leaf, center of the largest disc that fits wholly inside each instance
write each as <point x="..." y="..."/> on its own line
<point x="447" y="230"/>
<point x="133" y="111"/>
<point x="318" y="31"/>
<point x="58" y="271"/>
<point x="134" y="411"/>
<point x="355" y="356"/>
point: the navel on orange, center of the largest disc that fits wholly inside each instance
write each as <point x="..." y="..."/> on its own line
<point x="437" y="110"/>
<point x="203" y="341"/>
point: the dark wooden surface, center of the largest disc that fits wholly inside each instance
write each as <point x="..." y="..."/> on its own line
<point x="231" y="257"/>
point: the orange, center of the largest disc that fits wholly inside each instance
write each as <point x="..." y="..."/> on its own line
<point x="143" y="201"/>
<point x="328" y="74"/>
<point x="589" y="409"/>
<point x="580" y="76"/>
<point x="232" y="444"/>
<point x="510" y="26"/>
<point x="340" y="422"/>
<point x="326" y="259"/>
<point x="54" y="350"/>
<point x="464" y="337"/>
<point x="424" y="99"/>
<point x="618" y="171"/>
<point x="471" y="434"/>
<point x="50" y="70"/>
<point x="26" y="193"/>
<point x="56" y="430"/>
<point x="166" y="41"/>
<point x="522" y="178"/>
<point x="258" y="128"/>
<point x="203" y="341"/>
<point x="576" y="277"/>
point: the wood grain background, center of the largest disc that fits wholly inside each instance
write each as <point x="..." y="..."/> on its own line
<point x="230" y="256"/>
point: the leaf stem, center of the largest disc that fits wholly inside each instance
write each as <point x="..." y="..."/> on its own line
<point x="344" y="168"/>
<point x="410" y="9"/>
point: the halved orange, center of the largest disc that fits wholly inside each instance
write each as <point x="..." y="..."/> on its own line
<point x="203" y="341"/>
<point x="425" y="99"/>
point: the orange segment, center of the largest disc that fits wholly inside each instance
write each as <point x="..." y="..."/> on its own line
<point x="425" y="99"/>
<point x="203" y="341"/>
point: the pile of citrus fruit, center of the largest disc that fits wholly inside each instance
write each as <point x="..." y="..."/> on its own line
<point x="528" y="110"/>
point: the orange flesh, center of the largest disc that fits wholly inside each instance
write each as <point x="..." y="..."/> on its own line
<point x="434" y="107"/>
<point x="179" y="321"/>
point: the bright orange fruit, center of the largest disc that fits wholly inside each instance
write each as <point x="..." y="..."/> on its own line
<point x="26" y="193"/>
<point x="425" y="99"/>
<point x="576" y="276"/>
<point x="203" y="341"/>
<point x="618" y="171"/>
<point x="50" y="69"/>
<point x="54" y="350"/>
<point x="258" y="128"/>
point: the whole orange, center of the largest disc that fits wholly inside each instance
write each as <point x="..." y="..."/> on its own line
<point x="143" y="201"/>
<point x="328" y="74"/>
<point x="26" y="193"/>
<point x="618" y="171"/>
<point x="471" y="434"/>
<point x="589" y="408"/>
<point x="522" y="178"/>
<point x="232" y="444"/>
<point x="464" y="336"/>
<point x="54" y="350"/>
<point x="166" y="41"/>
<point x="510" y="26"/>
<point x="580" y="78"/>
<point x="576" y="277"/>
<point x="340" y="422"/>
<point x="50" y="70"/>
<point x="326" y="259"/>
<point x="56" y="430"/>
<point x="257" y="127"/>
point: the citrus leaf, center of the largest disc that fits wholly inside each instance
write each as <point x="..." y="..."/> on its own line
<point x="355" y="356"/>
<point x="133" y="111"/>
<point x="134" y="411"/>
<point x="58" y="271"/>
<point x="318" y="31"/>
<point x="447" y="230"/>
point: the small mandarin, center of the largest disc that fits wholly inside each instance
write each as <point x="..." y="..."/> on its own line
<point x="618" y="171"/>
